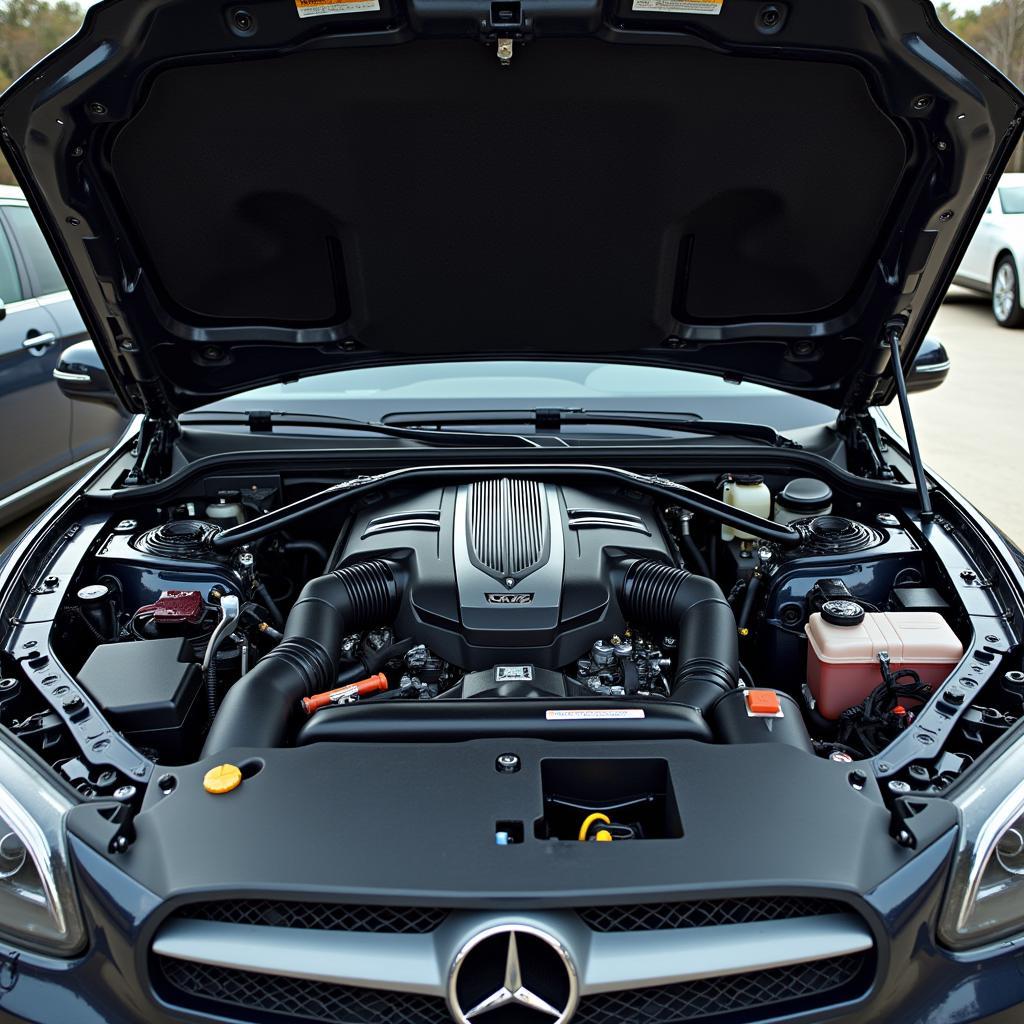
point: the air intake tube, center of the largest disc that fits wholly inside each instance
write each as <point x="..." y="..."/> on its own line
<point x="258" y="708"/>
<point x="658" y="595"/>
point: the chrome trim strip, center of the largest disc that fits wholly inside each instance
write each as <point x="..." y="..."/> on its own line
<point x="401" y="963"/>
<point x="615" y="524"/>
<point x="418" y="519"/>
<point x="610" y="962"/>
<point x="628" y="960"/>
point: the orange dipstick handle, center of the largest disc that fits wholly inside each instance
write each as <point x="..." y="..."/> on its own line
<point x="353" y="690"/>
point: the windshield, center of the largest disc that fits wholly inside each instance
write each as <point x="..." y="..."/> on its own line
<point x="1012" y="199"/>
<point x="480" y="385"/>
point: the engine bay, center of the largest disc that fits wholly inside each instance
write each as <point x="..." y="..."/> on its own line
<point x="506" y="605"/>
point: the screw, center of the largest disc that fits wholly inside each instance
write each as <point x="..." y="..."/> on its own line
<point x="922" y="102"/>
<point x="899" y="786"/>
<point x="991" y="639"/>
<point x="127" y="345"/>
<point x="125" y="793"/>
<point x="51" y="581"/>
<point x="126" y="526"/>
<point x="968" y="575"/>
<point x="886" y="519"/>
<point x="120" y="844"/>
<point x="78" y="151"/>
<point x="942" y="146"/>
<point x="803" y="348"/>
<point x="508" y="763"/>
<point x="211" y="352"/>
<point x="883" y="767"/>
<point x="946" y="215"/>
<point x="904" y="838"/>
<point x="96" y="108"/>
<point x="840" y="756"/>
<point x="73" y="221"/>
<point x="167" y="783"/>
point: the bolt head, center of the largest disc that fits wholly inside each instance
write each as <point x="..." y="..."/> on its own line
<point x="508" y="763"/>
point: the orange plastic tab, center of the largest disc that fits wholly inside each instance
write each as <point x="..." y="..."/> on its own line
<point x="763" y="702"/>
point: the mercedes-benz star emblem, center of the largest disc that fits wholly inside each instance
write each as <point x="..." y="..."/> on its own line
<point x="512" y="974"/>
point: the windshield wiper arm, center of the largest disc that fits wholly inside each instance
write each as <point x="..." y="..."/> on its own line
<point x="552" y="420"/>
<point x="264" y="423"/>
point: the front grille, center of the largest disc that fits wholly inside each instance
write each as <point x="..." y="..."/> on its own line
<point x="760" y="994"/>
<point x="334" y="917"/>
<point x="747" y="997"/>
<point x="651" y="917"/>
<point x="296" y="998"/>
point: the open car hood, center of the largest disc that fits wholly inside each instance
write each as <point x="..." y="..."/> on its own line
<point x="253" y="193"/>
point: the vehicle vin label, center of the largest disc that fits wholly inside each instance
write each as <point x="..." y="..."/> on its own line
<point x="679" y="6"/>
<point x="318" y="8"/>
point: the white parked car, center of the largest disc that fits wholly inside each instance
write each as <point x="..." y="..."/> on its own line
<point x="992" y="263"/>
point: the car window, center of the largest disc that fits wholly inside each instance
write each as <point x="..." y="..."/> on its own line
<point x="1012" y="199"/>
<point x="42" y="268"/>
<point x="10" y="283"/>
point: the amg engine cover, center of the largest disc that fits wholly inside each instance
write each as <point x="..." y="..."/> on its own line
<point x="508" y="567"/>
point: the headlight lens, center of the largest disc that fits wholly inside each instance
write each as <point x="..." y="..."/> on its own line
<point x="38" y="907"/>
<point x="985" y="901"/>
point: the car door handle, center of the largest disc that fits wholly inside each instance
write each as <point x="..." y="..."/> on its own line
<point x="40" y="341"/>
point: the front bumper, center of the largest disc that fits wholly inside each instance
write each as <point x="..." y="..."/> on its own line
<point x="393" y="836"/>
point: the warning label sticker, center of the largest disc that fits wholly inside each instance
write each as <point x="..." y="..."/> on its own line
<point x="318" y="8"/>
<point x="679" y="6"/>
<point x="589" y="714"/>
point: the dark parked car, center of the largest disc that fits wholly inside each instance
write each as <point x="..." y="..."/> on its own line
<point x="511" y="603"/>
<point x="48" y="443"/>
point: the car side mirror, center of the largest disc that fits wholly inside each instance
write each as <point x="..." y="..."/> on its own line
<point x="82" y="377"/>
<point x="931" y="367"/>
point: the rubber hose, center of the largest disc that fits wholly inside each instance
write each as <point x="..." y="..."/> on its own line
<point x="258" y="709"/>
<point x="657" y="595"/>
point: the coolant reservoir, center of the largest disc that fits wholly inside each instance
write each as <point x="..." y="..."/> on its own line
<point x="844" y="644"/>
<point x="749" y="493"/>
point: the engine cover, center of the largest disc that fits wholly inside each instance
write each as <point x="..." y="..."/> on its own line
<point x="508" y="565"/>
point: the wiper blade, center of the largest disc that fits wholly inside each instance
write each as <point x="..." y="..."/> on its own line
<point x="552" y="420"/>
<point x="264" y="422"/>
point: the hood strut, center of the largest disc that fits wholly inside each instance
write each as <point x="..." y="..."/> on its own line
<point x="893" y="332"/>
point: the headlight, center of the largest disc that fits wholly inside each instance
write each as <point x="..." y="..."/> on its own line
<point x="38" y="908"/>
<point x="985" y="901"/>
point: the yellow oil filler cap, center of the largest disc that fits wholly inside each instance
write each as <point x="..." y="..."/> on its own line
<point x="222" y="779"/>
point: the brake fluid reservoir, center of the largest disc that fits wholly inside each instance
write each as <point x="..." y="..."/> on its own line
<point x="749" y="493"/>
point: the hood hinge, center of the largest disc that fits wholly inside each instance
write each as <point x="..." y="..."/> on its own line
<point x="865" y="443"/>
<point x="152" y="451"/>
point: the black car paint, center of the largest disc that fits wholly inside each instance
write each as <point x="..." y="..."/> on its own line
<point x="162" y="361"/>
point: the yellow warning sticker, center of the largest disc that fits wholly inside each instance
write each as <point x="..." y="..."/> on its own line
<point x="679" y="6"/>
<point x="318" y="8"/>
